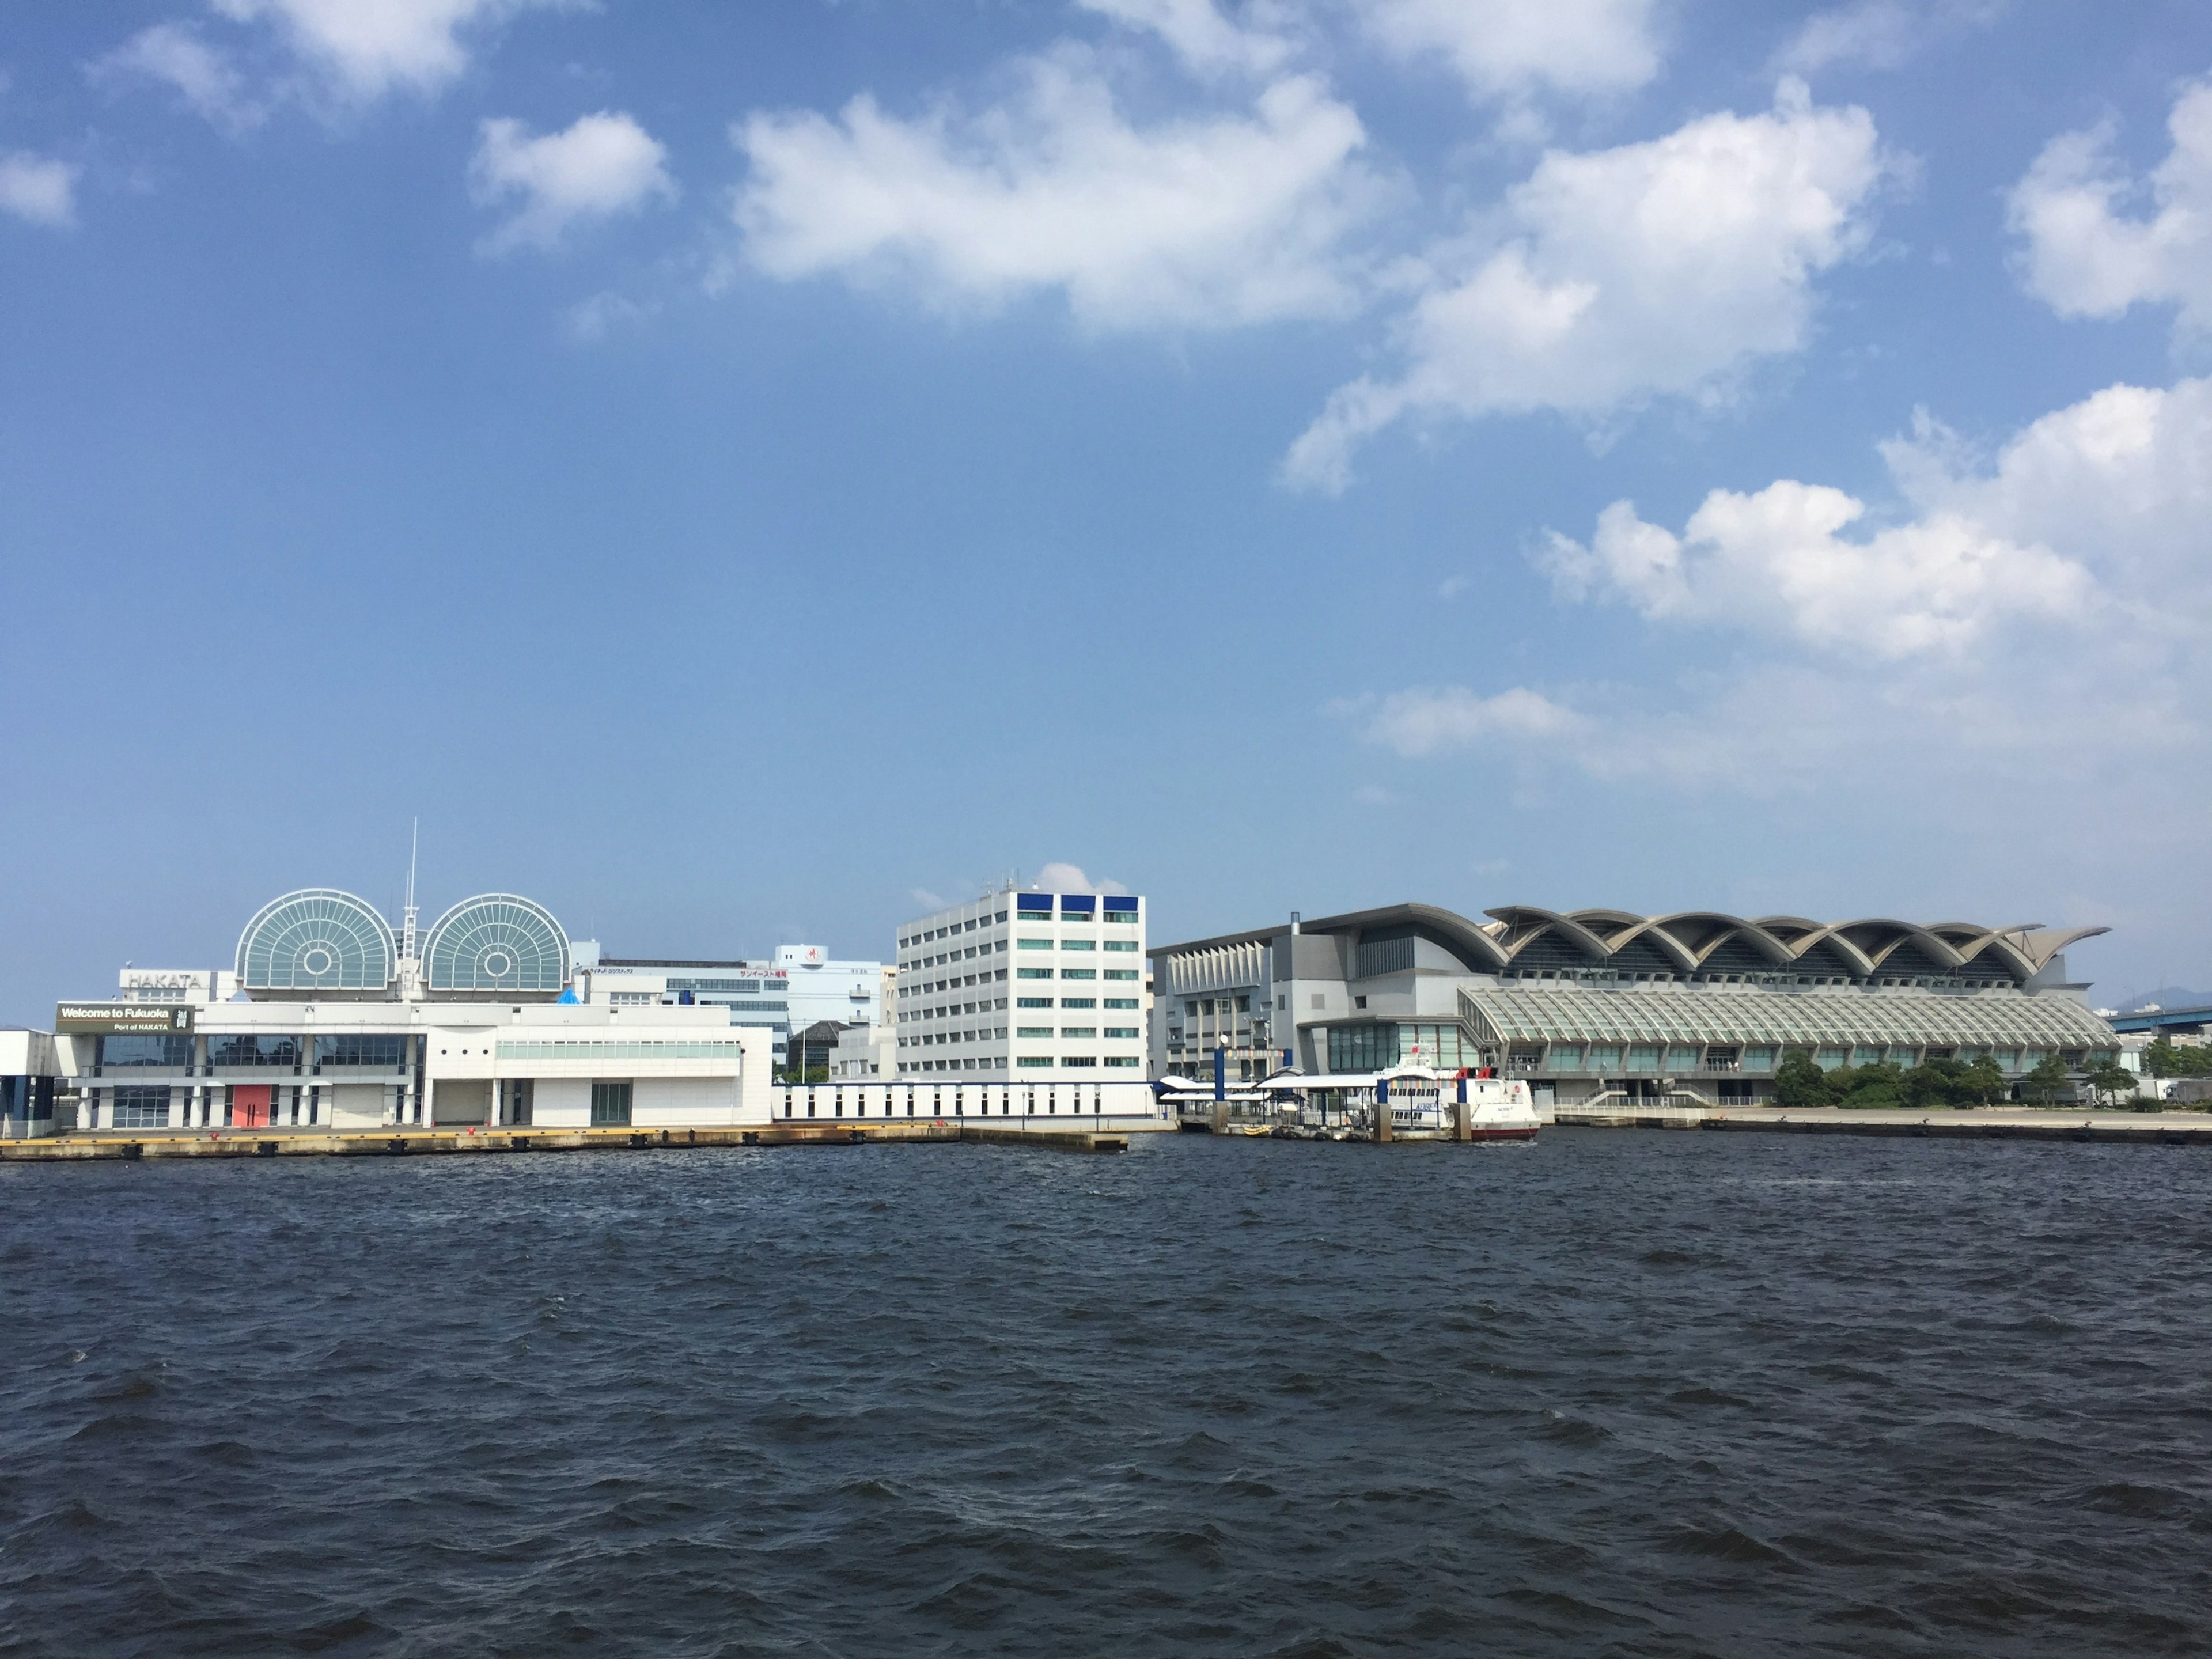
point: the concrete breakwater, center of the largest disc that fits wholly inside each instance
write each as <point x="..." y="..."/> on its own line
<point x="398" y="1142"/>
<point x="1977" y="1123"/>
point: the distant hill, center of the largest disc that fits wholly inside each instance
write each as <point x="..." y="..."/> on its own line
<point x="2166" y="996"/>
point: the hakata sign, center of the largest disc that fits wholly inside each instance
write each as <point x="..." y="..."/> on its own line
<point x="120" y="1020"/>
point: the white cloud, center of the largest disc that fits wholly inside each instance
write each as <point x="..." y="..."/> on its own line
<point x="602" y="164"/>
<point x="1508" y="49"/>
<point x="1656" y="268"/>
<point x="2088" y="256"/>
<point x="1208" y="221"/>
<point x="1201" y="35"/>
<point x="591" y="320"/>
<point x="1882" y="34"/>
<point x="1778" y="563"/>
<point x="38" y="188"/>
<point x="176" y="56"/>
<point x="2039" y="613"/>
<point x="370" y="48"/>
<point x="1428" y="719"/>
<point x="929" y="901"/>
<point x="1070" y="879"/>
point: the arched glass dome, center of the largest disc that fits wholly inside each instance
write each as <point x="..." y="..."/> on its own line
<point x="495" y="942"/>
<point x="316" y="940"/>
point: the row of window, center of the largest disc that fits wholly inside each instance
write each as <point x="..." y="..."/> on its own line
<point x="998" y="1062"/>
<point x="1076" y="1030"/>
<point x="1076" y="943"/>
<point x="173" y="1052"/>
<point x="1077" y="973"/>
<point x="1074" y="1002"/>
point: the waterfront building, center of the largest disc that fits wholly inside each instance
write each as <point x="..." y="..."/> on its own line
<point x="1593" y="1005"/>
<point x="338" y="1023"/>
<point x="27" y="1070"/>
<point x="1025" y="984"/>
<point x="802" y="987"/>
<point x="864" y="1051"/>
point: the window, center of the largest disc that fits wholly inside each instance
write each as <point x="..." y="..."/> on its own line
<point x="1120" y="1030"/>
<point x="1122" y="1059"/>
<point x="353" y="1049"/>
<point x="253" y="1051"/>
<point x="140" y="1108"/>
<point x="1120" y="1002"/>
<point x="1121" y="945"/>
<point x="1079" y="1060"/>
<point x="168" y="1054"/>
<point x="1033" y="1030"/>
<point x="1079" y="1002"/>
<point x="1032" y="1002"/>
<point x="1643" y="1057"/>
<point x="1035" y="944"/>
<point x="1032" y="973"/>
<point x="1190" y="1009"/>
<point x="1359" y="1002"/>
<point x="1116" y="973"/>
<point x="611" y="1105"/>
<point x="1078" y="1031"/>
<point x="1244" y="1005"/>
<point x="1362" y="1048"/>
<point x="1129" y="917"/>
<point x="1078" y="973"/>
<point x="1030" y="1061"/>
<point x="1078" y="944"/>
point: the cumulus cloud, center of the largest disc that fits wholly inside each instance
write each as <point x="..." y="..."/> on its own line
<point x="1509" y="49"/>
<point x="601" y="164"/>
<point x="1658" y="268"/>
<point x="1881" y="34"/>
<point x="1070" y="879"/>
<point x="177" y="56"/>
<point x="2028" y="613"/>
<point x="38" y="189"/>
<point x="2087" y="254"/>
<point x="1779" y="562"/>
<point x="1207" y="222"/>
<point x="1199" y="34"/>
<point x="367" y="48"/>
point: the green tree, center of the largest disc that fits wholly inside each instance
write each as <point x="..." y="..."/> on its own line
<point x="1980" y="1084"/>
<point x="1878" y="1087"/>
<point x="2048" y="1083"/>
<point x="2164" y="1059"/>
<point x="1933" y="1083"/>
<point x="2110" y="1081"/>
<point x="1799" y="1082"/>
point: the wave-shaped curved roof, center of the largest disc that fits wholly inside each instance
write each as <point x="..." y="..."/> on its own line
<point x="316" y="940"/>
<point x="495" y="942"/>
<point x="1689" y="939"/>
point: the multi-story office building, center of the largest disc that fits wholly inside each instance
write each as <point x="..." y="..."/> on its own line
<point x="802" y="987"/>
<point x="1020" y="984"/>
<point x="1595" y="1003"/>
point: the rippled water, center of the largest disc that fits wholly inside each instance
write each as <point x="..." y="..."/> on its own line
<point x="1616" y="1393"/>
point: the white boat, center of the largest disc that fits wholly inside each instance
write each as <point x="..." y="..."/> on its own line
<point x="1423" y="1104"/>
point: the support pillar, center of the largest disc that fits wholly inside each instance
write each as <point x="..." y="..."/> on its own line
<point x="1463" y="1121"/>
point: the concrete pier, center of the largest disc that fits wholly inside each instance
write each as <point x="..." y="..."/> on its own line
<point x="1980" y="1123"/>
<point x="396" y="1142"/>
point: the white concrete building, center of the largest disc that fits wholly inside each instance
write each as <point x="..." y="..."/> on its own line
<point x="1026" y="985"/>
<point x="334" y="1025"/>
<point x="804" y="985"/>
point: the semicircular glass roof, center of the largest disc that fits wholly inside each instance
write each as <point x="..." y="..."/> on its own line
<point x="316" y="940"/>
<point x="495" y="942"/>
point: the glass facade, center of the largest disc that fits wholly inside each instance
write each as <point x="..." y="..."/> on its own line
<point x="495" y="942"/>
<point x="385" y="1054"/>
<point x="140" y="1108"/>
<point x="611" y="1105"/>
<point x="282" y="1050"/>
<point x="316" y="939"/>
<point x="168" y="1053"/>
<point x="1841" y="1024"/>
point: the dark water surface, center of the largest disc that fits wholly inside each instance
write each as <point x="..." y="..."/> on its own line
<point x="1617" y="1393"/>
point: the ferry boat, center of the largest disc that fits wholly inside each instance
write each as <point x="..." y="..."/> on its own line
<point x="1424" y="1105"/>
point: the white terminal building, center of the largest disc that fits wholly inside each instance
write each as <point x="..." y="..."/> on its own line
<point x="1024" y="985"/>
<point x="329" y="1020"/>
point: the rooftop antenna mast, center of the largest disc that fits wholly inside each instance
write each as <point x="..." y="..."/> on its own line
<point x="408" y="915"/>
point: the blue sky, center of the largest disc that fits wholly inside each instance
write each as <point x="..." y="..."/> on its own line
<point x="736" y="470"/>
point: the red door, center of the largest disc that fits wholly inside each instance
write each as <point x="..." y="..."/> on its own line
<point x="250" y="1107"/>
